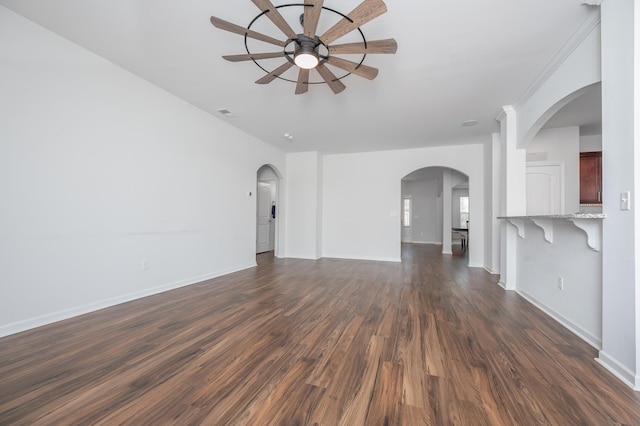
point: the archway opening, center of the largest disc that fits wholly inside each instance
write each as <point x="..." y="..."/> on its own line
<point x="564" y="157"/>
<point x="436" y="209"/>
<point x="267" y="212"/>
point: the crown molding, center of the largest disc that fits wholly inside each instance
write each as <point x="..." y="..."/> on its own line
<point x="590" y="23"/>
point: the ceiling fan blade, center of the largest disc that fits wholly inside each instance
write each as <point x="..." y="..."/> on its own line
<point x="275" y="73"/>
<point x="228" y="26"/>
<point x="250" y="56"/>
<point x="312" y="16"/>
<point x="363" y="13"/>
<point x="333" y="82"/>
<point x="362" y="70"/>
<point x="375" y="46"/>
<point x="303" y="81"/>
<point x="276" y="17"/>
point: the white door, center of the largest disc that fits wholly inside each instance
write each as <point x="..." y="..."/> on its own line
<point x="545" y="188"/>
<point x="265" y="224"/>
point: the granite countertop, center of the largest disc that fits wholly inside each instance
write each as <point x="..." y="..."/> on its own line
<point x="560" y="216"/>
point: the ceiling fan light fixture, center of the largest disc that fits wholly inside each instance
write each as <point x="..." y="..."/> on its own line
<point x="306" y="61"/>
<point x="306" y="57"/>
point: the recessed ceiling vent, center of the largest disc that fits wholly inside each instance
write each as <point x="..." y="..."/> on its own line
<point x="226" y="113"/>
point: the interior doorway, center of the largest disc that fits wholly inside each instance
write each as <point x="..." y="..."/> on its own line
<point x="435" y="209"/>
<point x="267" y="210"/>
<point x="545" y="188"/>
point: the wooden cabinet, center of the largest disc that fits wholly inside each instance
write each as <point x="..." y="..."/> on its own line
<point x="591" y="177"/>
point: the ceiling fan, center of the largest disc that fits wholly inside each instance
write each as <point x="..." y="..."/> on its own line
<point x="309" y="50"/>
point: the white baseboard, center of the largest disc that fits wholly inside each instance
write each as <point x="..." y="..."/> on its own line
<point x="39" y="321"/>
<point x="355" y="257"/>
<point x="592" y="340"/>
<point x="301" y="256"/>
<point x="627" y="376"/>
<point x="491" y="271"/>
<point x="435" y="243"/>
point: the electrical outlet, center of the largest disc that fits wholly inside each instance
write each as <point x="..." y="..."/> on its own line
<point x="145" y="265"/>
<point x="560" y="283"/>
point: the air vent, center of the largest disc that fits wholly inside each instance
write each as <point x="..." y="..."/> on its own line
<point x="537" y="156"/>
<point x="226" y="113"/>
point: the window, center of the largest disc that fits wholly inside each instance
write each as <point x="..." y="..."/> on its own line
<point x="406" y="211"/>
<point x="464" y="212"/>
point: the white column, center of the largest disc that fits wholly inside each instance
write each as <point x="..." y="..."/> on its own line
<point x="492" y="204"/>
<point x="303" y="218"/>
<point x="319" y="205"/>
<point x="621" y="169"/>
<point x="446" y="211"/>
<point x="495" y="203"/>
<point x="513" y="188"/>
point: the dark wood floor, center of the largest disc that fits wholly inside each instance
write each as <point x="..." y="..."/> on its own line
<point x="299" y="342"/>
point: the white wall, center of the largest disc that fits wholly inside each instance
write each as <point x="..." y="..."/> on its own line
<point x="362" y="192"/>
<point x="457" y="178"/>
<point x="620" y="164"/>
<point x="589" y="143"/>
<point x="578" y="305"/>
<point x="100" y="170"/>
<point x="562" y="144"/>
<point x="303" y="205"/>
<point x="426" y="199"/>
<point x="576" y="68"/>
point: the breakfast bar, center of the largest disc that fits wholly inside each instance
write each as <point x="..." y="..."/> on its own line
<point x="559" y="268"/>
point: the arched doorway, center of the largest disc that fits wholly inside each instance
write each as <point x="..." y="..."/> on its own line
<point x="435" y="209"/>
<point x="571" y="138"/>
<point x="267" y="210"/>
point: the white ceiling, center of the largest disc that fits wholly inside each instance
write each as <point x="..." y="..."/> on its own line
<point x="584" y="111"/>
<point x="457" y="60"/>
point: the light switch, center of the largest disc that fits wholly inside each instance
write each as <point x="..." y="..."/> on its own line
<point x="625" y="200"/>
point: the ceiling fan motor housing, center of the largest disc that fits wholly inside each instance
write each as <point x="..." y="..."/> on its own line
<point x="306" y="52"/>
<point x="307" y="43"/>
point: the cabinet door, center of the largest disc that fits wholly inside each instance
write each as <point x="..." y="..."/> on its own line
<point x="591" y="177"/>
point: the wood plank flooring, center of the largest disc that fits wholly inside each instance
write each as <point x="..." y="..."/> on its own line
<point x="327" y="342"/>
